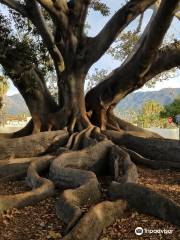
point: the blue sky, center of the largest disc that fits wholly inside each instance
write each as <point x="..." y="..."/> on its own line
<point x="96" y="21"/>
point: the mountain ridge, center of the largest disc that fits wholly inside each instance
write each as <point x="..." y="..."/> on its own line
<point x="135" y="101"/>
<point x="15" y="104"/>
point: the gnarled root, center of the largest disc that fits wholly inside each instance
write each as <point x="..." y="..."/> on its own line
<point x="79" y="122"/>
<point x="138" y="159"/>
<point x="128" y="127"/>
<point x="100" y="216"/>
<point x="33" y="145"/>
<point x="146" y="201"/>
<point x="85" y="191"/>
<point x="80" y="140"/>
<point x="74" y="165"/>
<point x="42" y="188"/>
<point x="65" y="172"/>
<point x="12" y="169"/>
<point x="84" y="139"/>
<point x="123" y="169"/>
<point x="153" y="148"/>
<point x="93" y="158"/>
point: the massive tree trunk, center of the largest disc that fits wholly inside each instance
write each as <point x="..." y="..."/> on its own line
<point x="33" y="89"/>
<point x="91" y="142"/>
<point x="74" y="101"/>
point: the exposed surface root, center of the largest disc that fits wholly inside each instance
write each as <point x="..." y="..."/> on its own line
<point x="138" y="159"/>
<point x="81" y="140"/>
<point x="85" y="190"/>
<point x="153" y="148"/>
<point x="38" y="221"/>
<point x="79" y="122"/>
<point x="17" y="168"/>
<point x="99" y="217"/>
<point x="93" y="158"/>
<point x="70" y="142"/>
<point x="33" y="145"/>
<point x="74" y="167"/>
<point x="146" y="201"/>
<point x="128" y="127"/>
<point x="42" y="188"/>
<point x="65" y="173"/>
<point x="124" y="169"/>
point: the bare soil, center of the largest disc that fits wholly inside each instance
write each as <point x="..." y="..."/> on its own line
<point x="39" y="222"/>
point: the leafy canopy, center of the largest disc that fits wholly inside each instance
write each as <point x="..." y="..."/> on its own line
<point x="172" y="109"/>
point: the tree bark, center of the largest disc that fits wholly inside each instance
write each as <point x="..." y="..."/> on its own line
<point x="152" y="148"/>
<point x="74" y="100"/>
<point x="33" y="145"/>
<point x="32" y="87"/>
<point x="131" y="76"/>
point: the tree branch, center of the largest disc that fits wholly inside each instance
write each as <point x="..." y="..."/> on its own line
<point x="115" y="25"/>
<point x="80" y="10"/>
<point x="138" y="45"/>
<point x="130" y="76"/>
<point x="168" y="57"/>
<point x="177" y="15"/>
<point x="154" y="37"/>
<point x="16" y="6"/>
<point x="58" y="10"/>
<point x="38" y="20"/>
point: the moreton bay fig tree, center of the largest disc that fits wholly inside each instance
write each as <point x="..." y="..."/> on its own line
<point x="77" y="139"/>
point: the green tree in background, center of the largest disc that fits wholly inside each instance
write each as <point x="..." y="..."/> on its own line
<point x="150" y="115"/>
<point x="3" y="89"/>
<point x="172" y="109"/>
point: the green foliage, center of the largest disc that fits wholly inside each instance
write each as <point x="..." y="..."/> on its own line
<point x="95" y="78"/>
<point x="3" y="89"/>
<point x="19" y="33"/>
<point x="97" y="5"/>
<point x="150" y="115"/>
<point x="3" y="85"/>
<point x="124" y="45"/>
<point x="172" y="109"/>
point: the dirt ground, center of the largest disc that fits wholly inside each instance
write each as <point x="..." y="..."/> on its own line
<point x="39" y="222"/>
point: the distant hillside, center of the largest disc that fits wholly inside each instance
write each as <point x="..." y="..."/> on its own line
<point x="134" y="101"/>
<point x="15" y="104"/>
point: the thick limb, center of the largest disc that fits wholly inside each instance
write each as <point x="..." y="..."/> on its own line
<point x="26" y="76"/>
<point x="132" y="74"/>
